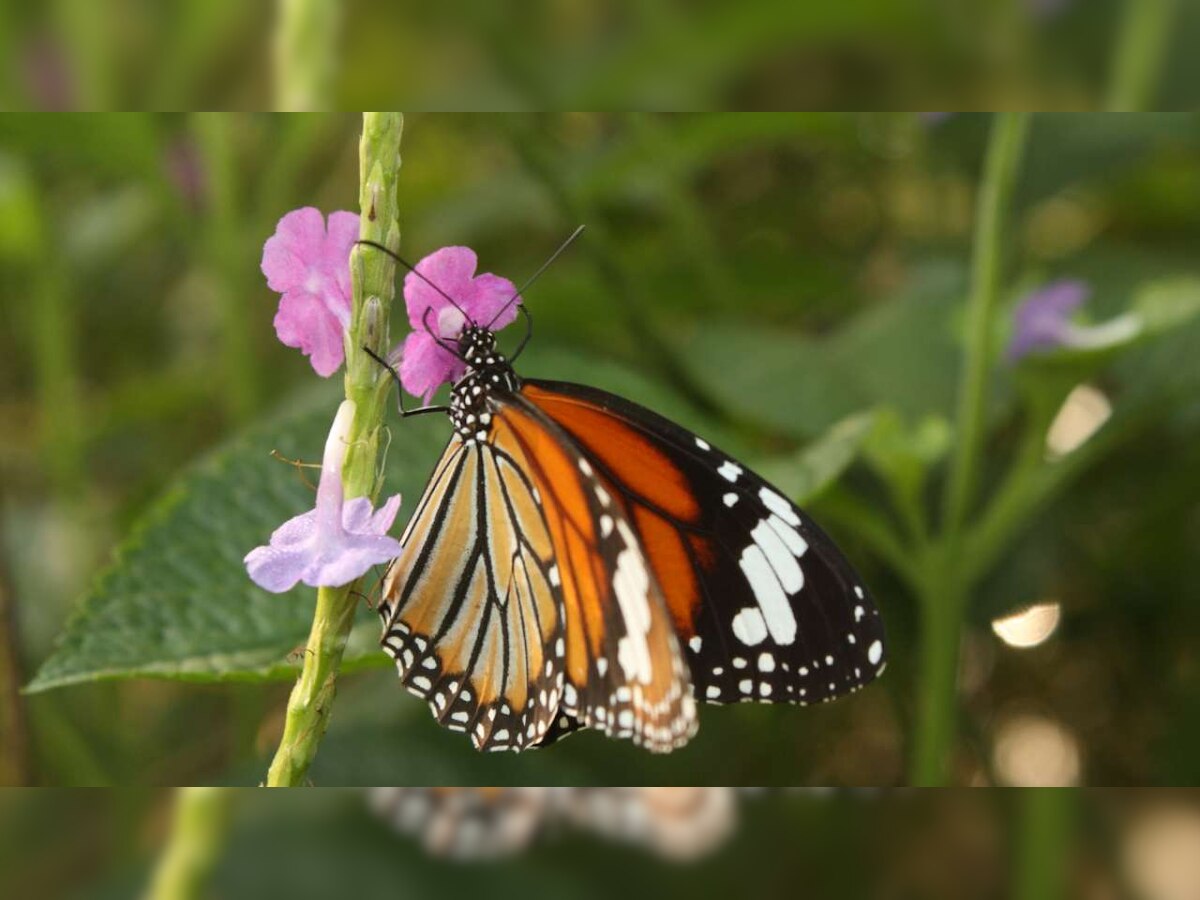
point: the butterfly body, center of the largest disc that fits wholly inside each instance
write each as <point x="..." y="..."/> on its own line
<point x="472" y="402"/>
<point x="579" y="562"/>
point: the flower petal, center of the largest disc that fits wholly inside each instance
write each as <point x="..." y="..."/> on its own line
<point x="355" y="557"/>
<point x="356" y="515"/>
<point x="295" y="531"/>
<point x="490" y="300"/>
<point x="451" y="269"/>
<point x="1042" y="320"/>
<point x="343" y="232"/>
<point x="304" y="321"/>
<point x="278" y="569"/>
<point x="385" y="517"/>
<point x="303" y="231"/>
<point x="284" y="268"/>
<point x="426" y="366"/>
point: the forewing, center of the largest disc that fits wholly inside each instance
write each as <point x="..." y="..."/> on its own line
<point x="768" y="607"/>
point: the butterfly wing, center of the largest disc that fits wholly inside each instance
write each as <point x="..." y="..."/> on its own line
<point x="521" y="606"/>
<point x="768" y="607"/>
<point x="466" y="823"/>
<point x="626" y="674"/>
<point x="469" y="609"/>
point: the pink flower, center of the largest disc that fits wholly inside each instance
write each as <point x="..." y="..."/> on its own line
<point x="336" y="542"/>
<point x="311" y="269"/>
<point x="425" y="365"/>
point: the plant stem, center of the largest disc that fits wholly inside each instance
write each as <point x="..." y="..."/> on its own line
<point x="1139" y="56"/>
<point x="373" y="275"/>
<point x="1043" y="832"/>
<point x="944" y="590"/>
<point x="1005" y="148"/>
<point x="942" y="609"/>
<point x="198" y="829"/>
<point x="306" y="36"/>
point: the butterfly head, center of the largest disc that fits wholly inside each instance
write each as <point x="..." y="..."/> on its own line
<point x="477" y="345"/>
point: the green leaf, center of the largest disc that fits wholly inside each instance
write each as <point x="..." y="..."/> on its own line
<point x="806" y="474"/>
<point x="177" y="603"/>
<point x="901" y="353"/>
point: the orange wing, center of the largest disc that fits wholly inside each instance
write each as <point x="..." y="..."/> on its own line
<point x="625" y="670"/>
<point x="766" y="604"/>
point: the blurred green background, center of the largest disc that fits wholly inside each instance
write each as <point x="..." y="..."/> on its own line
<point x="928" y="845"/>
<point x="758" y="277"/>
<point x="615" y="54"/>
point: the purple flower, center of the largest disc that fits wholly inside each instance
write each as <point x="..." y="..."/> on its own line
<point x="311" y="268"/>
<point x="425" y="365"/>
<point x="335" y="543"/>
<point x="1043" y="319"/>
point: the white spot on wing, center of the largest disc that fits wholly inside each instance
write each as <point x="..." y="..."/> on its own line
<point x="779" y="506"/>
<point x="631" y="584"/>
<point x="779" y="556"/>
<point x="796" y="544"/>
<point x="780" y="620"/>
<point x="875" y="653"/>
<point x="730" y="471"/>
<point x="703" y="444"/>
<point x="731" y="500"/>
<point x="749" y="626"/>
<point x="766" y="663"/>
<point x="696" y="643"/>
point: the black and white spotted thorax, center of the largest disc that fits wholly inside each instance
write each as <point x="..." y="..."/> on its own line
<point x="473" y="401"/>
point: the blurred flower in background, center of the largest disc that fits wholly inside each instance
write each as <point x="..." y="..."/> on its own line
<point x="1042" y="320"/>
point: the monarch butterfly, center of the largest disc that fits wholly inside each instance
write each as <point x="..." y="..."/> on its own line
<point x="580" y="562"/>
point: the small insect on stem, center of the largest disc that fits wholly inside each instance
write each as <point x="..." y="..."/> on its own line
<point x="299" y="466"/>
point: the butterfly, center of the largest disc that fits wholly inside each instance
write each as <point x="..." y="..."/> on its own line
<point x="579" y="562"/>
<point x="679" y="823"/>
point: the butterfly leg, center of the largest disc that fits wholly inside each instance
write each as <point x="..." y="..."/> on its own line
<point x="404" y="413"/>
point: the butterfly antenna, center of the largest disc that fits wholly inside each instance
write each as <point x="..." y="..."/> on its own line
<point x="400" y="259"/>
<point x="538" y="274"/>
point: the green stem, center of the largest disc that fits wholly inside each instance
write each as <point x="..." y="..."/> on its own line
<point x="944" y="589"/>
<point x="1005" y="149"/>
<point x="1043" y="833"/>
<point x="1139" y="57"/>
<point x="306" y="51"/>
<point x="942" y="610"/>
<point x="198" y="829"/>
<point x="373" y="275"/>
